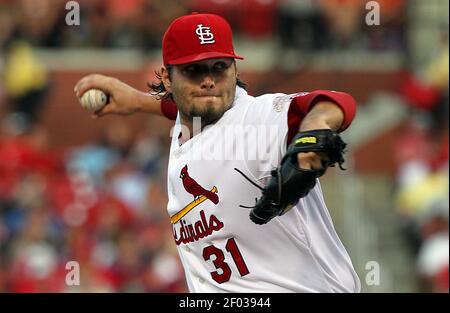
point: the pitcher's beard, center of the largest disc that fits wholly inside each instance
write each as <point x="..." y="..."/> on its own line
<point x="207" y="115"/>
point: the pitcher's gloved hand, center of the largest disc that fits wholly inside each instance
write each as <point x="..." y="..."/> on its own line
<point x="289" y="183"/>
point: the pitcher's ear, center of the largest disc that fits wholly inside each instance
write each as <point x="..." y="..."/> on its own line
<point x="165" y="78"/>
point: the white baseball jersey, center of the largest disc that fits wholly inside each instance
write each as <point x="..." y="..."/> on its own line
<point x="221" y="249"/>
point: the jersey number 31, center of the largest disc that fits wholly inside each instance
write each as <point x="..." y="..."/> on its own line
<point x="219" y="261"/>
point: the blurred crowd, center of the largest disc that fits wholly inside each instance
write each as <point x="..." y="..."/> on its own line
<point x="102" y="205"/>
<point x="422" y="153"/>
<point x="300" y="24"/>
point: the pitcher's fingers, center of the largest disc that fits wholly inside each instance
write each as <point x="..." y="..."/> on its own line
<point x="109" y="108"/>
<point x="82" y="86"/>
<point x="93" y="81"/>
<point x="323" y="156"/>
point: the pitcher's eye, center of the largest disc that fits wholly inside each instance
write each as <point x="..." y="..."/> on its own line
<point x="191" y="69"/>
<point x="221" y="66"/>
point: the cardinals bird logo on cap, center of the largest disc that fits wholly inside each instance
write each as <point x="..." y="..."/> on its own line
<point x="204" y="34"/>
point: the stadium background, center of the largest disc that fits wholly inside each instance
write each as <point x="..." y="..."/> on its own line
<point x="93" y="191"/>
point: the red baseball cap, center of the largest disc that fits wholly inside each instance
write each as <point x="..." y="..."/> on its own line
<point x="197" y="37"/>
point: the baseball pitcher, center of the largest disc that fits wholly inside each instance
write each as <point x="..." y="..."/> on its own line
<point x="245" y="202"/>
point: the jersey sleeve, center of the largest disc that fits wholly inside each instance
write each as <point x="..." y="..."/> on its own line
<point x="302" y="103"/>
<point x="280" y="116"/>
<point x="169" y="109"/>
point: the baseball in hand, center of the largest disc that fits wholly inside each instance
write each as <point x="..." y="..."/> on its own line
<point x="93" y="99"/>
